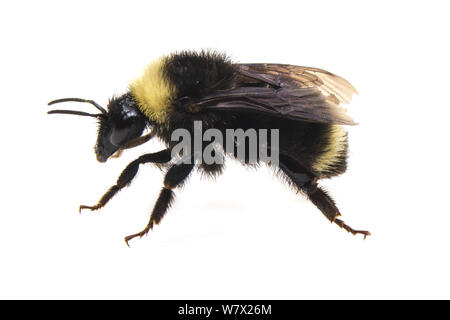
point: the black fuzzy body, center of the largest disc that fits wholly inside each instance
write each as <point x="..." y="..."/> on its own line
<point x="196" y="75"/>
<point x="209" y="88"/>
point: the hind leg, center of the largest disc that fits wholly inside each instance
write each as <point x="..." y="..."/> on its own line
<point x="327" y="206"/>
<point x="307" y="183"/>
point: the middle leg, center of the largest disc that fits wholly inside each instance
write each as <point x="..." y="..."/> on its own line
<point x="175" y="176"/>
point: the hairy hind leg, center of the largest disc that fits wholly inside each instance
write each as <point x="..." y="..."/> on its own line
<point x="307" y="183"/>
<point x="326" y="205"/>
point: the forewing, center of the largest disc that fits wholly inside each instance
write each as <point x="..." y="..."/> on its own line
<point x="292" y="92"/>
<point x="285" y="75"/>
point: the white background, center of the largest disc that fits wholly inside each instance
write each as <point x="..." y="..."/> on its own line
<point x="245" y="235"/>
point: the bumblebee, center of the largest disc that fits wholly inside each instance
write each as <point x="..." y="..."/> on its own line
<point x="303" y="103"/>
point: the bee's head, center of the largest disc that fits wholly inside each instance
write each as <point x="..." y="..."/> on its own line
<point x="119" y="126"/>
<point x="123" y="123"/>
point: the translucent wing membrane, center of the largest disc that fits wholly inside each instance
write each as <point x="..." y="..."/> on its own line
<point x="292" y="92"/>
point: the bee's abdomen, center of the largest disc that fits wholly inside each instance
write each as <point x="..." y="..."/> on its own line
<point x="321" y="149"/>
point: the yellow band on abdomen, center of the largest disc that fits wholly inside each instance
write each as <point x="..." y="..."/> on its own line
<point x="336" y="148"/>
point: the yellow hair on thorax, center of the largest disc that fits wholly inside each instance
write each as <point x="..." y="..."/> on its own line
<point x="153" y="91"/>
<point x="337" y="144"/>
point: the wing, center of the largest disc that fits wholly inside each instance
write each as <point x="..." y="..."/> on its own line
<point x="292" y="92"/>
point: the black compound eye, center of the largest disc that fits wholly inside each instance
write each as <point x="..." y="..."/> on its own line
<point x="119" y="136"/>
<point x="128" y="129"/>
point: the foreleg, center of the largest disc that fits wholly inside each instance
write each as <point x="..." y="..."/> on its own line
<point x="128" y="174"/>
